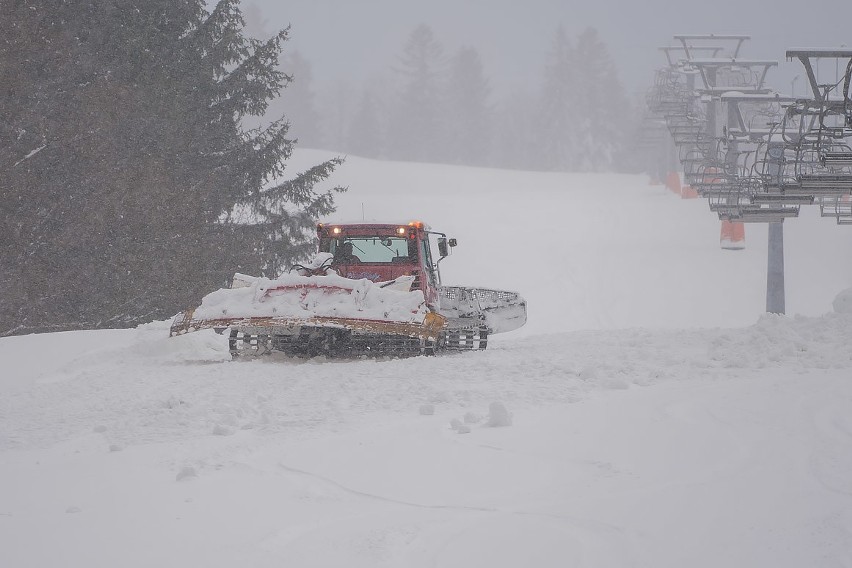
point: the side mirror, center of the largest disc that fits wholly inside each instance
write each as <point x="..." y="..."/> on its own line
<point x="442" y="247"/>
<point x="453" y="243"/>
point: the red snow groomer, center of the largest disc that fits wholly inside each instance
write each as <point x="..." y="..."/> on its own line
<point x="372" y="289"/>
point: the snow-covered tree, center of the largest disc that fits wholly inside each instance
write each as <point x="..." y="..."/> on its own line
<point x="603" y="123"/>
<point x="129" y="186"/>
<point x="583" y="111"/>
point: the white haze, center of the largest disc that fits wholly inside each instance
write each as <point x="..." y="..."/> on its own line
<point x="353" y="41"/>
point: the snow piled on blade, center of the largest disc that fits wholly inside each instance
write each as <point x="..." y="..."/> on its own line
<point x="295" y="296"/>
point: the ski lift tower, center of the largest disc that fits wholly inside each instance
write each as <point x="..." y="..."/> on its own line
<point x="722" y="74"/>
<point x="727" y="81"/>
<point x="757" y="155"/>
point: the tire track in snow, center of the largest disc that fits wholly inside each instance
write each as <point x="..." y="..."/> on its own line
<point x="603" y="535"/>
<point x="461" y="508"/>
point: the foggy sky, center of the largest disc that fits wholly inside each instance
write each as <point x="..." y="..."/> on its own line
<point x="352" y="39"/>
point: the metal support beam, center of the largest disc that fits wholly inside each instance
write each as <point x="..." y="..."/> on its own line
<point x="775" y="296"/>
<point x="806" y="54"/>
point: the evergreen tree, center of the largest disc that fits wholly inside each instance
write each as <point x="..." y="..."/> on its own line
<point x="417" y="123"/>
<point x="556" y="141"/>
<point x="516" y="140"/>
<point x="604" y="123"/>
<point x="469" y="114"/>
<point x="130" y="188"/>
<point x="583" y="110"/>
<point x="366" y="131"/>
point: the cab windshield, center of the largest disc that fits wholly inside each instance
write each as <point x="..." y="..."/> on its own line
<point x="374" y="249"/>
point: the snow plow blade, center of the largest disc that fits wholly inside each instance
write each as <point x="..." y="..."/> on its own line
<point x="318" y="315"/>
<point x="318" y="335"/>
<point x="430" y="328"/>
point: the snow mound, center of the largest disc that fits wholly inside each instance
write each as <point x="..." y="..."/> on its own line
<point x="842" y="303"/>
<point x="186" y="473"/>
<point x="498" y="415"/>
<point x="154" y="345"/>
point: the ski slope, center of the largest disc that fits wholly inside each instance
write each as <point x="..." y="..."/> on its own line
<point x="648" y="414"/>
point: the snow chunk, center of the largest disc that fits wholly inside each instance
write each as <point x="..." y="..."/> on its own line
<point x="472" y="418"/>
<point x="188" y="472"/>
<point x="221" y="430"/>
<point x="427" y="409"/>
<point x="498" y="415"/>
<point x="459" y="426"/>
<point x="73" y="510"/>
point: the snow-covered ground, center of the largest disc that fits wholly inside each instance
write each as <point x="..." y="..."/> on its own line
<point x="648" y="415"/>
